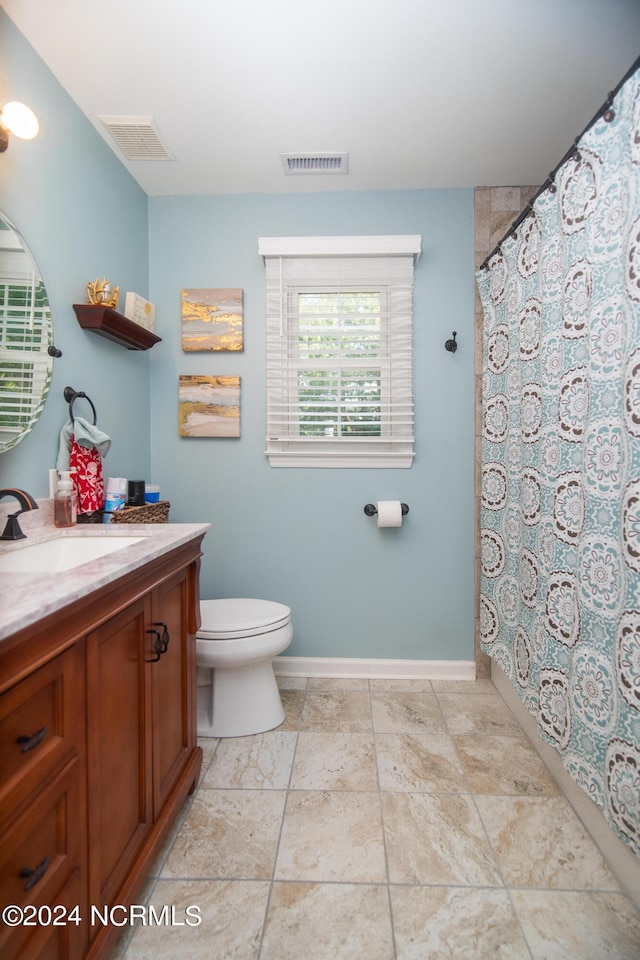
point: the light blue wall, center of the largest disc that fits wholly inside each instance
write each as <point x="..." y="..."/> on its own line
<point x="295" y="535"/>
<point x="300" y="535"/>
<point x="83" y="217"/>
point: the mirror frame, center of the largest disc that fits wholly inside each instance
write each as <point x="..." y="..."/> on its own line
<point x="37" y="400"/>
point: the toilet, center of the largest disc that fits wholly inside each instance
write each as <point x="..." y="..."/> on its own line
<point x="237" y="690"/>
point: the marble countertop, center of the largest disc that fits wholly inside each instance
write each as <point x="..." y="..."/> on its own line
<point x="28" y="597"/>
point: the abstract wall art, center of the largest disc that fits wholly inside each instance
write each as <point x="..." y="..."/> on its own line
<point x="212" y="320"/>
<point x="208" y="406"/>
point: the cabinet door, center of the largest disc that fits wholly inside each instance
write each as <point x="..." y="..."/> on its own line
<point x="172" y="685"/>
<point x="38" y="864"/>
<point x="118" y="747"/>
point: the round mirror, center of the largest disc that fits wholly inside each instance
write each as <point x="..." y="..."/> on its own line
<point x="25" y="338"/>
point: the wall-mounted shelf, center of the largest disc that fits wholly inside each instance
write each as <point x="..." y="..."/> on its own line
<point x="108" y="323"/>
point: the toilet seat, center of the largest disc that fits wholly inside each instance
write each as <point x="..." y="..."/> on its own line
<point x="237" y="617"/>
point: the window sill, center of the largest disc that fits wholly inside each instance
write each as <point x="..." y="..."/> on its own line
<point x="346" y="459"/>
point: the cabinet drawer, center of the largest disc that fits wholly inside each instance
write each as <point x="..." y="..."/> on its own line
<point x="43" y="846"/>
<point x="59" y="938"/>
<point x="39" y="727"/>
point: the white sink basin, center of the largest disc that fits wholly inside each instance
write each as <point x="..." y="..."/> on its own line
<point x="61" y="553"/>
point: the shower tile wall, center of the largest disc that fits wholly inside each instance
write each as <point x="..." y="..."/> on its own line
<point x="495" y="210"/>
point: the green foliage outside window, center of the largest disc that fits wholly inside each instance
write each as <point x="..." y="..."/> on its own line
<point x="339" y="384"/>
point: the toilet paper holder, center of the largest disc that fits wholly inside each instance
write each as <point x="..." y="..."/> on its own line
<point x="371" y="510"/>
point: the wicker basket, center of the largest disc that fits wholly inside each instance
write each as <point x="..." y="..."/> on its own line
<point x="150" y="513"/>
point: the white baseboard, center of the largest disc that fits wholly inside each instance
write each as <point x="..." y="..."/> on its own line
<point x="347" y="667"/>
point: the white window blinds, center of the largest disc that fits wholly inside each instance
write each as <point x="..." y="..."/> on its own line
<point x="339" y="352"/>
<point x="25" y="366"/>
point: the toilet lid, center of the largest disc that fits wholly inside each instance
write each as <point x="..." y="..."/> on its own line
<point x="240" y="617"/>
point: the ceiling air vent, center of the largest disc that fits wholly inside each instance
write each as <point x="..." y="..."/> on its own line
<point x="137" y="137"/>
<point x="299" y="164"/>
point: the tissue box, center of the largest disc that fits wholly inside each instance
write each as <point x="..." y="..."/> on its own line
<point x="139" y="310"/>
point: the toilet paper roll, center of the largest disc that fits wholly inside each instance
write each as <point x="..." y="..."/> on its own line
<point x="389" y="513"/>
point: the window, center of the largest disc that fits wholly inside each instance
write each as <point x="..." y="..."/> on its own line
<point x="339" y="351"/>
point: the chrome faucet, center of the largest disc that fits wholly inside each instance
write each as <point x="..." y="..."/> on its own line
<point x="12" y="530"/>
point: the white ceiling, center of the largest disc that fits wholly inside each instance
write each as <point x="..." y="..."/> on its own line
<point x="421" y="93"/>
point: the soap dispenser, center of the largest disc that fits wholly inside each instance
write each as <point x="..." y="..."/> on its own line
<point x="64" y="502"/>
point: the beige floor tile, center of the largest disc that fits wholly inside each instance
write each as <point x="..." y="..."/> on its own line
<point x="588" y="926"/>
<point x="465" y="687"/>
<point x="436" y="839"/>
<point x="406" y="712"/>
<point x="292" y="704"/>
<point x="174" y="830"/>
<point x="208" y="745"/>
<point x="334" y="761"/>
<point x="338" y="712"/>
<point x="291" y="683"/>
<point x="467" y="808"/>
<point x="337" y="684"/>
<point x="228" y="834"/>
<point x="119" y="951"/>
<point x="421" y="763"/>
<point x="260" y="762"/>
<point x="332" y="835"/>
<point x="504" y="765"/>
<point x="540" y="842"/>
<point x="231" y="914"/>
<point x="452" y="923"/>
<point x="404" y="684"/>
<point x="482" y="713"/>
<point x="311" y="921"/>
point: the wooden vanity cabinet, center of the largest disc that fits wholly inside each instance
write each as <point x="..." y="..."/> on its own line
<point x="119" y="747"/>
<point x="139" y="726"/>
<point x="112" y="681"/>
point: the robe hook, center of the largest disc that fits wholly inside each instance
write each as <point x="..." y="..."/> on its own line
<point x="451" y="345"/>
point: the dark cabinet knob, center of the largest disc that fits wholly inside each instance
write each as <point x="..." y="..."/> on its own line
<point x="157" y="647"/>
<point x="29" y="742"/>
<point x="32" y="876"/>
<point x="161" y="643"/>
<point x="165" y="636"/>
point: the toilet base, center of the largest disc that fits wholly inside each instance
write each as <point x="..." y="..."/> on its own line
<point x="240" y="702"/>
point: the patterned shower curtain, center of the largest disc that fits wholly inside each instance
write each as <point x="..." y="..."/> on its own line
<point x="560" y="515"/>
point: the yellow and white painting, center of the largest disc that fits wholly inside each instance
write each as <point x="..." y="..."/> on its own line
<point x="212" y="319"/>
<point x="209" y="406"/>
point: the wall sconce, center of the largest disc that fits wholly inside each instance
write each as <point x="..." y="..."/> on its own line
<point x="18" y="119"/>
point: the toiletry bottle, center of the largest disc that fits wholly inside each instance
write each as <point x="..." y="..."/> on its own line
<point x="114" y="497"/>
<point x="64" y="502"/>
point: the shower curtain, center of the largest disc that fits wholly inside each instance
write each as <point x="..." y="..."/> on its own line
<point x="560" y="497"/>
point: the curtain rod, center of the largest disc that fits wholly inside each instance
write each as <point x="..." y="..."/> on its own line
<point x="604" y="111"/>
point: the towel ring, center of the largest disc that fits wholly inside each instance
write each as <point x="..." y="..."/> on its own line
<point x="72" y="395"/>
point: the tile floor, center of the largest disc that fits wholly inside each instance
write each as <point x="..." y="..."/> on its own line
<point x="386" y="820"/>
